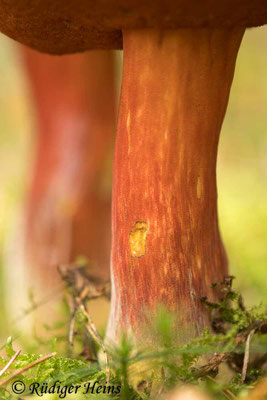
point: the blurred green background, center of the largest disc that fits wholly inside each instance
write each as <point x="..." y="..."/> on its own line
<point x="242" y="169"/>
<point x="242" y="166"/>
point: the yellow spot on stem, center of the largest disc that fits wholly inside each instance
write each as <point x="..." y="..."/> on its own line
<point x="199" y="188"/>
<point x="138" y="239"/>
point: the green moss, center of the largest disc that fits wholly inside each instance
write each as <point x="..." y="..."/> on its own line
<point x="213" y="361"/>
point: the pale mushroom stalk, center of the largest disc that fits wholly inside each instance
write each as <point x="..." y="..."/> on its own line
<point x="166" y="245"/>
<point x="69" y="199"/>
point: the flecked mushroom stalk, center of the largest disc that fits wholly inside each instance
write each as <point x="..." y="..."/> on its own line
<point x="166" y="245"/>
<point x="69" y="201"/>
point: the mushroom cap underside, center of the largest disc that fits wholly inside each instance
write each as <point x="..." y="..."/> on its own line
<point x="60" y="26"/>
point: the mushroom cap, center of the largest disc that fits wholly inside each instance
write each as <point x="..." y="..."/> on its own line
<point x="68" y="26"/>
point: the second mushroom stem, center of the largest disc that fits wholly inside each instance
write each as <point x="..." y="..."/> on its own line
<point x="166" y="246"/>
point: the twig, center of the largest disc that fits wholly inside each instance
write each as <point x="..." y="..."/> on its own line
<point x="93" y="331"/>
<point x="163" y="376"/>
<point x="246" y="356"/>
<point x="229" y="393"/>
<point x="214" y="363"/>
<point x="29" y="366"/>
<point x="72" y="321"/>
<point x="9" y="363"/>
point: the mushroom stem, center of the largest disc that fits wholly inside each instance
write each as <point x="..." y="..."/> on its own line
<point x="166" y="245"/>
<point x="68" y="208"/>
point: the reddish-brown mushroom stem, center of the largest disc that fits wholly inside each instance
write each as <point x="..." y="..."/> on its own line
<point x="70" y="195"/>
<point x="166" y="245"/>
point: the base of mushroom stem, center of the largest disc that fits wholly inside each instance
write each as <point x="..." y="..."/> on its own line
<point x="156" y="329"/>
